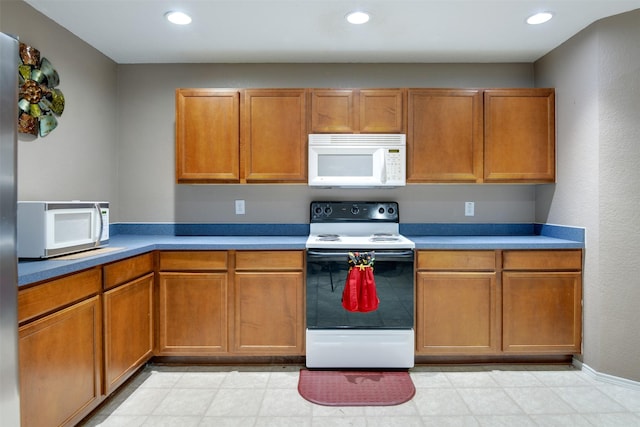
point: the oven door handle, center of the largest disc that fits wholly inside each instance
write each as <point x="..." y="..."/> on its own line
<point x="379" y="255"/>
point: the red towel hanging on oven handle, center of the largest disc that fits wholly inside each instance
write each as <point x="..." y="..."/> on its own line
<point x="360" y="293"/>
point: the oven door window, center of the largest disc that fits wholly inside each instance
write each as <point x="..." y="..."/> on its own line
<point x="326" y="276"/>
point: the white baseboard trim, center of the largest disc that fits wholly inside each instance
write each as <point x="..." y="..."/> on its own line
<point x="611" y="379"/>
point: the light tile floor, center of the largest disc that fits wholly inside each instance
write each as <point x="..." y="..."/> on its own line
<point x="518" y="396"/>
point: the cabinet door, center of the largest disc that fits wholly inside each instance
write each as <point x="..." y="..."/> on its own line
<point x="357" y="110"/>
<point x="542" y="312"/>
<point x="269" y="313"/>
<point x="457" y="313"/>
<point x="333" y="111"/>
<point x="381" y="110"/>
<point x="207" y="135"/>
<point x="128" y="330"/>
<point x="60" y="365"/>
<point x="192" y="313"/>
<point x="519" y="135"/>
<point x="274" y="135"/>
<point x="444" y="135"/>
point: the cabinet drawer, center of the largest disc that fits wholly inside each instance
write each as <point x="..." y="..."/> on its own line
<point x="542" y="260"/>
<point x="49" y="296"/>
<point x="456" y="260"/>
<point x="123" y="271"/>
<point x="193" y="260"/>
<point x="269" y="260"/>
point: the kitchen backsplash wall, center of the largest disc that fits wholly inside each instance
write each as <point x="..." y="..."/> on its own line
<point x="290" y="203"/>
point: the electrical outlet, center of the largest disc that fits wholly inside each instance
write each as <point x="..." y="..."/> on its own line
<point x="469" y="208"/>
<point x="240" y="207"/>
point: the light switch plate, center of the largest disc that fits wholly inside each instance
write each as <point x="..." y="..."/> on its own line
<point x="469" y="208"/>
<point x="240" y="207"/>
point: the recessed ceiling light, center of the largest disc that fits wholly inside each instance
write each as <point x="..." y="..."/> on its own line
<point x="539" y="18"/>
<point x="178" y="18"/>
<point x="358" y="17"/>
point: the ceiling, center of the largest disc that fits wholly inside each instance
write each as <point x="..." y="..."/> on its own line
<point x="239" y="31"/>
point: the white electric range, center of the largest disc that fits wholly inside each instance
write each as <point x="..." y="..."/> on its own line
<point x="338" y="338"/>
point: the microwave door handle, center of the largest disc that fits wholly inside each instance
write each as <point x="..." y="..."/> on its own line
<point x="97" y="206"/>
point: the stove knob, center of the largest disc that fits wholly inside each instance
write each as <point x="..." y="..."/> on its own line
<point x="391" y="210"/>
<point x="317" y="210"/>
<point x="327" y="210"/>
<point x="380" y="210"/>
<point x="355" y="210"/>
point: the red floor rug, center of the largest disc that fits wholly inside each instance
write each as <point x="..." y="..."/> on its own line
<point x="356" y="388"/>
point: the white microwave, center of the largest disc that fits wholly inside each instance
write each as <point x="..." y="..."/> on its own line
<point x="47" y="229"/>
<point x="357" y="160"/>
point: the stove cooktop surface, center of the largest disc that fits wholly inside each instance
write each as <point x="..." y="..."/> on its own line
<point x="370" y="241"/>
<point x="356" y="225"/>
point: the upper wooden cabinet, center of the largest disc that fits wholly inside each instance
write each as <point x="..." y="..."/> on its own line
<point x="453" y="135"/>
<point x="207" y="135"/>
<point x="234" y="136"/>
<point x="519" y="135"/>
<point x="444" y="135"/>
<point x="274" y="135"/>
<point x="357" y="110"/>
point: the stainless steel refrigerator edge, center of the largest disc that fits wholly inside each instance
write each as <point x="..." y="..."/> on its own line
<point x="9" y="382"/>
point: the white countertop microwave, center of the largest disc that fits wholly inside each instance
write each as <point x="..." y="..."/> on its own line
<point x="50" y="228"/>
<point x="357" y="160"/>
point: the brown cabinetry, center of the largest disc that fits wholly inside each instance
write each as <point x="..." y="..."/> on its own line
<point x="269" y="303"/>
<point x="542" y="299"/>
<point x="457" y="303"/>
<point x="207" y="135"/>
<point x="511" y="302"/>
<point x="357" y="110"/>
<point x="274" y="135"/>
<point x="192" y="294"/>
<point x="453" y="135"/>
<point x="519" y="135"/>
<point x="238" y="136"/>
<point x="246" y="303"/>
<point x="128" y="318"/>
<point x="60" y="350"/>
<point x="444" y="135"/>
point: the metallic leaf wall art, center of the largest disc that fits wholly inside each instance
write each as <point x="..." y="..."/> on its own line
<point x="39" y="101"/>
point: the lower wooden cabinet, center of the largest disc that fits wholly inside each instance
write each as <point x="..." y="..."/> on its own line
<point x="530" y="305"/>
<point x="457" y="303"/>
<point x="458" y="313"/>
<point x="193" y="313"/>
<point x="542" y="300"/>
<point x="268" y="303"/>
<point x="128" y="330"/>
<point x="60" y="365"/>
<point x="248" y="303"/>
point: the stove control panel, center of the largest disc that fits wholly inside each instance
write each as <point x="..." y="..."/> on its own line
<point x="354" y="212"/>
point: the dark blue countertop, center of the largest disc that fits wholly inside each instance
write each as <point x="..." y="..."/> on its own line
<point x="35" y="271"/>
<point x="534" y="237"/>
<point x="493" y="242"/>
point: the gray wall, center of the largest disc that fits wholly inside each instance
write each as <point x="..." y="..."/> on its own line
<point x="78" y="159"/>
<point x="597" y="80"/>
<point x="146" y="123"/>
